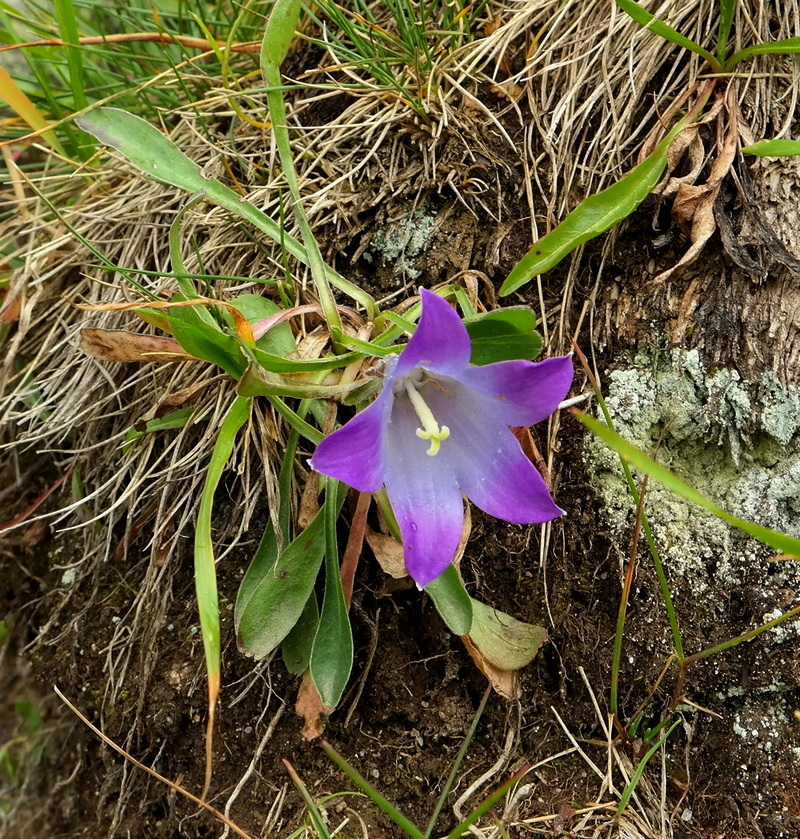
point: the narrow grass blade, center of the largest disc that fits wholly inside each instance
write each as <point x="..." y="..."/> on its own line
<point x="479" y="812"/>
<point x="205" y="574"/>
<point x="16" y="99"/>
<point x="405" y="824"/>
<point x="452" y="601"/>
<point x="630" y="787"/>
<point x="278" y="36"/>
<point x="593" y="216"/>
<point x="68" y="26"/>
<point x="332" y="652"/>
<point x="313" y="811"/>
<point x="745" y="636"/>
<point x="773" y="148"/>
<point x="648" y="533"/>
<point x="787" y="47"/>
<point x="651" y="22"/>
<point x="639" y="460"/>
<point x="727" y="9"/>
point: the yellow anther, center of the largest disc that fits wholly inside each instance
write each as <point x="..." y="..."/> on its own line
<point x="431" y="430"/>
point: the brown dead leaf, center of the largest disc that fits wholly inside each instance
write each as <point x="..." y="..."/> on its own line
<point x="11" y="307"/>
<point x="389" y="553"/>
<point x="309" y="707"/>
<point x="504" y="682"/>
<point x="121" y="345"/>
<point x="507" y="89"/>
<point x="693" y="208"/>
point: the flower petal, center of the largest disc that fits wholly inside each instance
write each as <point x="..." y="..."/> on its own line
<point x="441" y="341"/>
<point x="355" y="453"/>
<point x="486" y="459"/>
<point x="425" y="498"/>
<point x="526" y="392"/>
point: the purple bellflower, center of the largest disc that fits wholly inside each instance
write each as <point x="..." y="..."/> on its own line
<point x="440" y="429"/>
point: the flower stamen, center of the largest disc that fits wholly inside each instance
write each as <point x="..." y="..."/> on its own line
<point x="431" y="430"/>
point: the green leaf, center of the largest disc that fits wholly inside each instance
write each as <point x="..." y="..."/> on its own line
<point x="593" y="216"/>
<point x="506" y="642"/>
<point x="651" y="22"/>
<point x="152" y="152"/>
<point x="452" y="601"/>
<point x="175" y="419"/>
<point x="639" y="460"/>
<point x="278" y="599"/>
<point x="278" y="340"/>
<point x="503" y="335"/>
<point x="787" y="47"/>
<point x="145" y="146"/>
<point x="266" y="556"/>
<point x="773" y="148"/>
<point x="332" y="651"/>
<point x="297" y="645"/>
<point x="205" y="572"/>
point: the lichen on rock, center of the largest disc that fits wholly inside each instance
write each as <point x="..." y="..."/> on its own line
<point x="737" y="442"/>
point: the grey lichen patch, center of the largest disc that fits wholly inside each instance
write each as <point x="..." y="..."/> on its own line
<point x="737" y="442"/>
<point x="401" y="242"/>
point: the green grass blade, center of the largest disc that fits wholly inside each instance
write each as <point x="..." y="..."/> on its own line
<point x="404" y="823"/>
<point x="787" y="47"/>
<point x="648" y="533"/>
<point x="727" y="9"/>
<point x="658" y="27"/>
<point x="68" y="28"/>
<point x="745" y="636"/>
<point x="773" y="148"/>
<point x="479" y="812"/>
<point x="278" y="36"/>
<point x="630" y="787"/>
<point x="593" y="216"/>
<point x="332" y="652"/>
<point x="313" y="811"/>
<point x="205" y="571"/>
<point x="639" y="460"/>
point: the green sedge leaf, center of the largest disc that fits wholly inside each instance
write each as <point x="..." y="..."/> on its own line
<point x="657" y="27"/>
<point x="593" y="216"/>
<point x="787" y="47"/>
<point x="773" y="148"/>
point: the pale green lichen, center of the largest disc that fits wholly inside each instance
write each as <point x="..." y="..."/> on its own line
<point x="736" y="441"/>
<point x="401" y="242"/>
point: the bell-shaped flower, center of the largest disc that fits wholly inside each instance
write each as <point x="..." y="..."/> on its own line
<point x="439" y="429"/>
